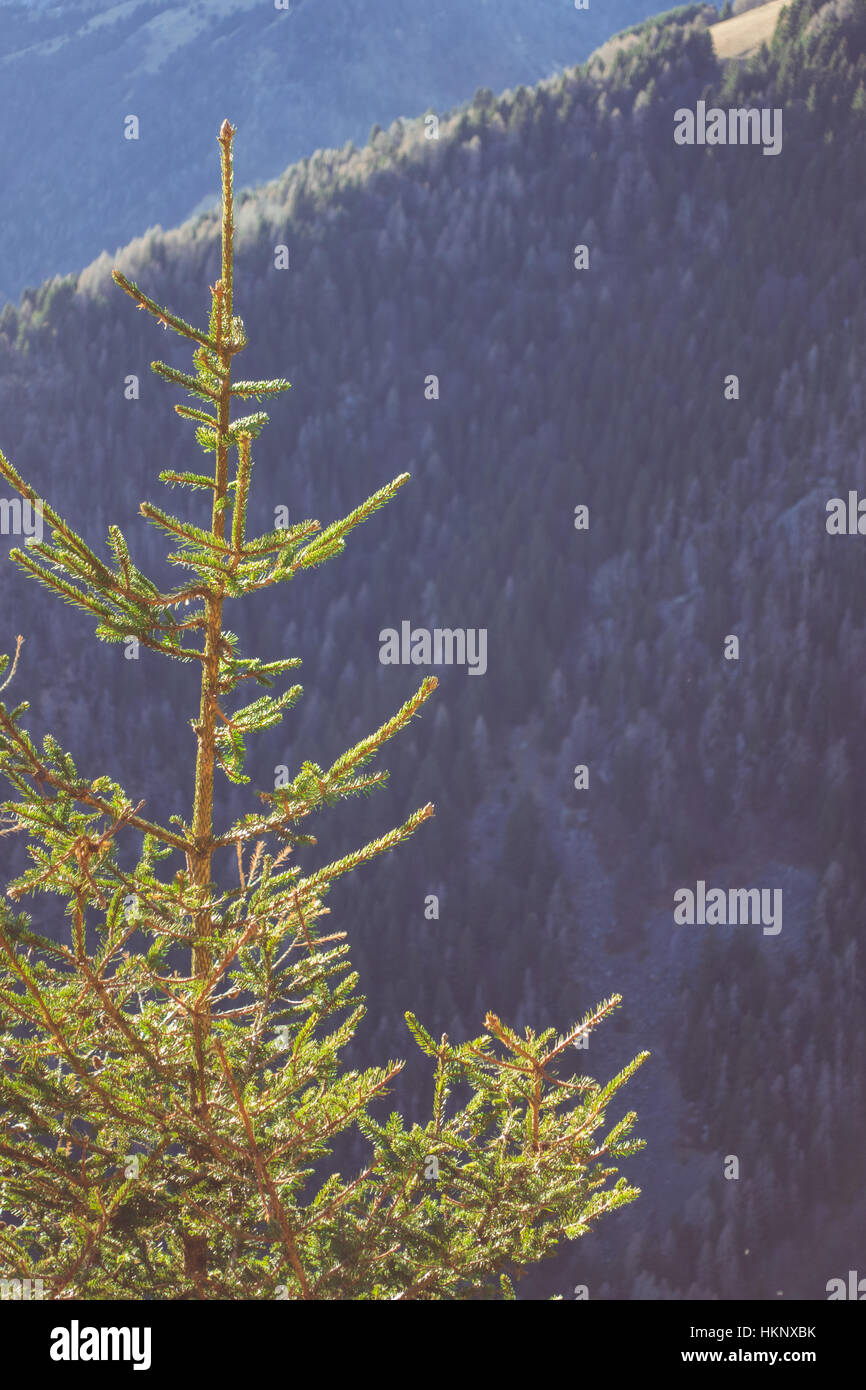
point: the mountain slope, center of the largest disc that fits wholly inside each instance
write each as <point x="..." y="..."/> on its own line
<point x="315" y="76"/>
<point x="558" y="387"/>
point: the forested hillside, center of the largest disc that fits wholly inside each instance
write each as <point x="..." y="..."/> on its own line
<point x="304" y="74"/>
<point x="558" y="387"/>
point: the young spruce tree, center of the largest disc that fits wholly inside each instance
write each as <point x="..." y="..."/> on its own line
<point x="170" y="1071"/>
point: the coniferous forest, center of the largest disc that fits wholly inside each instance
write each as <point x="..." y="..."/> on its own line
<point x="429" y="303"/>
<point x="302" y="74"/>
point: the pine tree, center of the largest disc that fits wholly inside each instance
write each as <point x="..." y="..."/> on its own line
<point x="171" y="1083"/>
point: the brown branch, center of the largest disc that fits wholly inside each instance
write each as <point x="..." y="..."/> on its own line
<point x="266" y="1187"/>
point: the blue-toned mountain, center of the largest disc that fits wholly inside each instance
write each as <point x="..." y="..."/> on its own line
<point x="310" y="74"/>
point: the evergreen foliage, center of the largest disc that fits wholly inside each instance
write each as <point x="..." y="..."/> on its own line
<point x="708" y="516"/>
<point x="171" y="1078"/>
<point x="296" y="91"/>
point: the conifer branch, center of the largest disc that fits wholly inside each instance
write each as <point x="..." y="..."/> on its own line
<point x="271" y="1203"/>
<point x="258" y="389"/>
<point x="18" y="642"/>
<point x="163" y="315"/>
<point x="226" y="135"/>
<point x="324" y="877"/>
<point x="184" y="529"/>
<point x="331" y="542"/>
<point x="197" y="480"/>
<point x="193" y="384"/>
<point x="55" y="1029"/>
<point x="190" y="413"/>
<point x="83" y="793"/>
